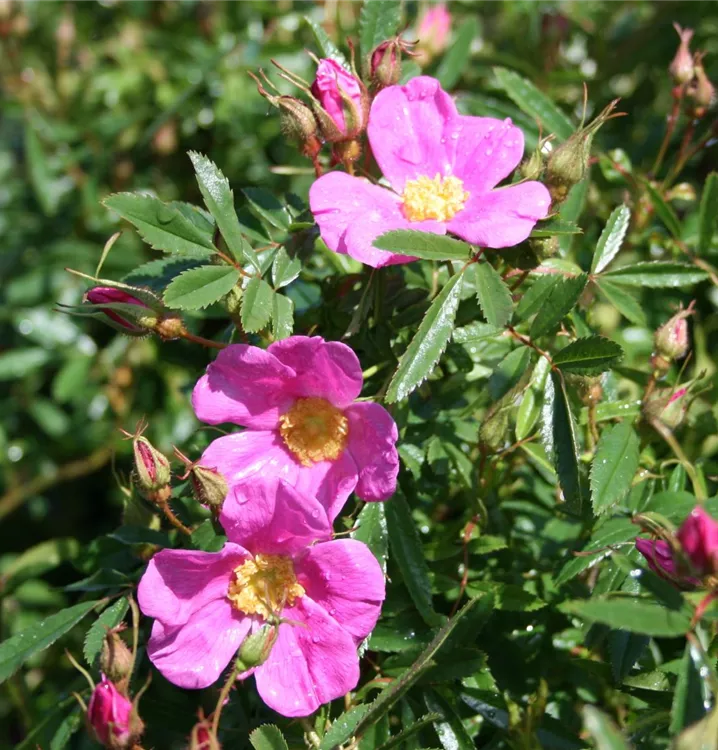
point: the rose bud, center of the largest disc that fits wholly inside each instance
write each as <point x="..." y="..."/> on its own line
<point x="202" y="738"/>
<point x="385" y="63"/>
<point x="342" y="102"/>
<point x="681" y="67"/>
<point x="660" y="559"/>
<point x="151" y="473"/>
<point x="702" y="90"/>
<point x="209" y="487"/>
<point x="666" y="406"/>
<point x="698" y="537"/>
<point x="110" y="716"/>
<point x="129" y="314"/>
<point x="671" y="338"/>
<point x="256" y="647"/>
<point x="299" y="125"/>
<point x="434" y="29"/>
<point x="115" y="658"/>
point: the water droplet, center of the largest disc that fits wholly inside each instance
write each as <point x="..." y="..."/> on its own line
<point x="636" y="573"/>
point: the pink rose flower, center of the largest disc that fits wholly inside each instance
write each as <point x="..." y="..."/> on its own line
<point x="109" y="714"/>
<point x="296" y="401"/>
<point x="434" y="28"/>
<point x="442" y="167"/>
<point x="341" y="97"/>
<point x="105" y="295"/>
<point x="698" y="537"/>
<point x="277" y="563"/>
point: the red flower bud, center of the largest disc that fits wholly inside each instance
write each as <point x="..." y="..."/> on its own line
<point x="385" y="64"/>
<point x="202" y="738"/>
<point x="434" y="29"/>
<point x="681" y="67"/>
<point x="660" y="559"/>
<point x="105" y="295"/>
<point x="671" y="338"/>
<point x="342" y="102"/>
<point x="109" y="713"/>
<point x="698" y="537"/>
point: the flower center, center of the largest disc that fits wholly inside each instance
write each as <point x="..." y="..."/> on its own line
<point x="264" y="585"/>
<point x="441" y="198"/>
<point x="314" y="430"/>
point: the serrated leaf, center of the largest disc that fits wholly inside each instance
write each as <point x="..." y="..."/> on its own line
<point x="371" y="528"/>
<point x="688" y="698"/>
<point x="343" y="727"/>
<point x="162" y="226"/>
<point x="656" y="274"/>
<point x="533" y="300"/>
<point x="609" y="243"/>
<point x="157" y="274"/>
<point x="256" y="305"/>
<point x="282" y="316"/>
<point x="325" y="44"/>
<point x="563" y="443"/>
<point x="458" y="55"/>
<point x="555" y="228"/>
<point x="200" y="287"/>
<point x="558" y="304"/>
<point x="378" y="22"/>
<point x="632" y="613"/>
<point x="625" y="302"/>
<point x="110" y="618"/>
<point x="664" y="212"/>
<point x="534" y="103"/>
<point x="430" y="340"/>
<point x="265" y="205"/>
<point x="614" y="466"/>
<point x="449" y="728"/>
<point x="19" y="648"/>
<point x="602" y="730"/>
<point x="588" y="356"/>
<point x="493" y="295"/>
<point x="219" y="199"/>
<point x="206" y="538"/>
<point x="423" y="245"/>
<point x="284" y="268"/>
<point x="408" y="553"/>
<point x="268" y="737"/>
<point x="708" y="213"/>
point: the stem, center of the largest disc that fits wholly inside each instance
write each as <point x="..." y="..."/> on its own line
<point x="163" y="505"/>
<point x="312" y="737"/>
<point x="222" y="698"/>
<point x="682" y="157"/>
<point x="202" y="341"/>
<point x="672" y="120"/>
<point x="667" y="435"/>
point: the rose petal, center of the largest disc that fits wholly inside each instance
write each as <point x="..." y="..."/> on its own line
<point x="344" y="577"/>
<point x="193" y="655"/>
<point x="179" y="583"/>
<point x="372" y="443"/>
<point x="324" y="369"/>
<point x="503" y="217"/>
<point x="488" y="150"/>
<point x="267" y="515"/>
<point x="409" y="129"/>
<point x="310" y="664"/>
<point x="245" y="385"/>
<point x="244" y="454"/>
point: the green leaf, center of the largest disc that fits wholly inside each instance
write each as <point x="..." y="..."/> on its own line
<point x="664" y="212"/>
<point x="256" y="305"/>
<point x="534" y="299"/>
<point x="450" y="729"/>
<point x="632" y="613"/>
<point x="371" y="528"/>
<point x="702" y="735"/>
<point x="15" y="365"/>
<point x="458" y="55"/>
<point x="68" y="726"/>
<point x="19" y="648"/>
<point x="625" y="302"/>
<point x="614" y="466"/>
<point x="38" y="560"/>
<point x="688" y="697"/>
<point x="625" y="649"/>
<point x="325" y="44"/>
<point x="493" y="295"/>
<point x="708" y="214"/>
<point x="409" y="554"/>
<point x="110" y="618"/>
<point x="219" y="199"/>
<point x="268" y="737"/>
<point x="378" y="22"/>
<point x="413" y="728"/>
<point x="284" y="268"/>
<point x="509" y="372"/>
<point x="157" y="274"/>
<point x="430" y="340"/>
<point x="162" y="226"/>
<point x="534" y="103"/>
<point x="49" y="189"/>
<point x="558" y="304"/>
<point x="564" y="443"/>
<point x="266" y="205"/>
<point x="602" y="730"/>
<point x="555" y="228"/>
<point x="343" y="727"/>
<point x="423" y="245"/>
<point x="657" y="274"/>
<point x="200" y="287"/>
<point x="588" y="356"/>
<point x="609" y="243"/>
<point x="282" y="316"/>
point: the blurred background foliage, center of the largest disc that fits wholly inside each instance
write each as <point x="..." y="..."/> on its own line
<point x="106" y="97"/>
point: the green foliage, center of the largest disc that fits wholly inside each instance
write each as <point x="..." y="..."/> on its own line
<point x="199" y="287"/>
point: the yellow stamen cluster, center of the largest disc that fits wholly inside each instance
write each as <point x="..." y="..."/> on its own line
<point x="441" y="198"/>
<point x="264" y="585"/>
<point x="314" y="430"/>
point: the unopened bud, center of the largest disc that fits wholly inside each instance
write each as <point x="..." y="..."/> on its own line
<point x="341" y="102"/>
<point x="170" y="327"/>
<point x="299" y="125"/>
<point x="671" y="338"/>
<point x="681" y="67"/>
<point x="667" y="406"/>
<point x="434" y="29"/>
<point x="209" y="487"/>
<point x="152" y="468"/>
<point x="385" y="63"/>
<point x="544" y="247"/>
<point x="112" y="717"/>
<point x="202" y="737"/>
<point x="702" y="90"/>
<point x="531" y="168"/>
<point x="255" y="648"/>
<point x="115" y="658"/>
<point x="122" y="310"/>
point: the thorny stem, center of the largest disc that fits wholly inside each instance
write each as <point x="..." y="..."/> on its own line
<point x="231" y="679"/>
<point x="202" y="341"/>
<point x="163" y="505"/>
<point x="527" y="342"/>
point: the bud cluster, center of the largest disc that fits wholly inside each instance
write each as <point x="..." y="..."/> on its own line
<point x="690" y="77"/>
